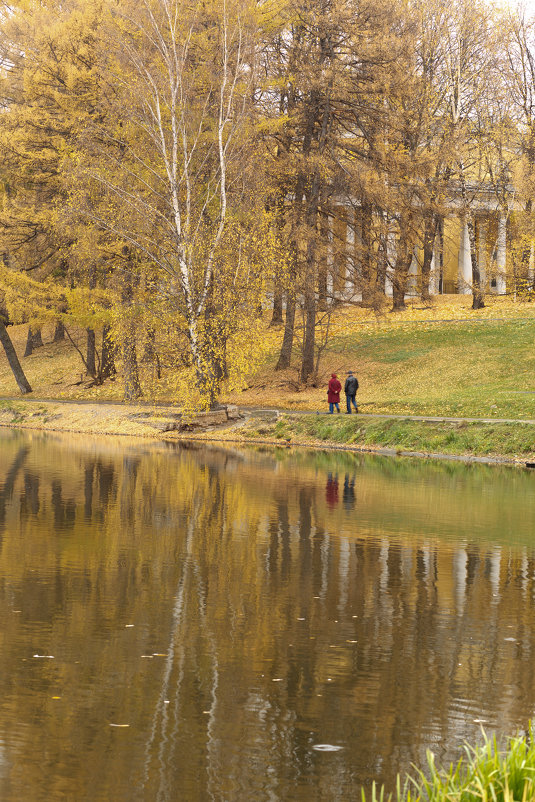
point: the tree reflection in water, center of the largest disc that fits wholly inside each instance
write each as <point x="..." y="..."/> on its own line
<point x="236" y="607"/>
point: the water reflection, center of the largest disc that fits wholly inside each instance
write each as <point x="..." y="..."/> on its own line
<point x="206" y="618"/>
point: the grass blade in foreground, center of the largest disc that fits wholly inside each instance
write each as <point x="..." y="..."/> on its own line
<point x="484" y="774"/>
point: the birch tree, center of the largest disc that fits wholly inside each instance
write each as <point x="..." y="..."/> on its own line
<point x="173" y="168"/>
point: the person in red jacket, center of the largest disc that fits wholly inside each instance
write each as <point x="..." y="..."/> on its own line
<point x="333" y="393"/>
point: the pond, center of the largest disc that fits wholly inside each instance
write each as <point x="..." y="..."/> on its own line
<point x="205" y="623"/>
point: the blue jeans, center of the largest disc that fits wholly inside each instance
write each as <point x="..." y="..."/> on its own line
<point x="331" y="407"/>
<point x="350" y="399"/>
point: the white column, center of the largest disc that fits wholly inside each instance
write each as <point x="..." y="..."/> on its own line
<point x="412" y="284"/>
<point x="330" y="258"/>
<point x="438" y="256"/>
<point x="434" y="276"/>
<point x="349" y="288"/>
<point x="465" y="262"/>
<point x="391" y="258"/>
<point x="501" y="255"/>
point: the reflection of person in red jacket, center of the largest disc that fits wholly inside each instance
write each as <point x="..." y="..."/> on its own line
<point x="333" y="393"/>
<point x="331" y="491"/>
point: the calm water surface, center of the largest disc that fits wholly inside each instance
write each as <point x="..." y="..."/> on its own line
<point x="192" y="623"/>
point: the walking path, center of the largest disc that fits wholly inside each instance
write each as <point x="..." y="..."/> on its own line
<point x="168" y="405"/>
<point x="394" y="416"/>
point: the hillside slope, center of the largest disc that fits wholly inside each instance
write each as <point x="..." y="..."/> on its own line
<point x="442" y="360"/>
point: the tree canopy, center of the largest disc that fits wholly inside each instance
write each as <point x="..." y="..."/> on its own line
<point x="172" y="170"/>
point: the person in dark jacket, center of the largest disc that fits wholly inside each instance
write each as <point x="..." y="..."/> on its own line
<point x="333" y="393"/>
<point x="350" y="389"/>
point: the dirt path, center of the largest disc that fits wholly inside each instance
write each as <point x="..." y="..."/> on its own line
<point x="87" y="417"/>
<point x="161" y="408"/>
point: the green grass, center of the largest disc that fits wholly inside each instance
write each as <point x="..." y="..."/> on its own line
<point x="477" y="439"/>
<point x="473" y="369"/>
<point x="7" y="406"/>
<point x="16" y="411"/>
<point x="484" y="774"/>
<point x="19" y="411"/>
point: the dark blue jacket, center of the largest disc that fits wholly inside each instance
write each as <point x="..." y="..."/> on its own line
<point x="351" y="386"/>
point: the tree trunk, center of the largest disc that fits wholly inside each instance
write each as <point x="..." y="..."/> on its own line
<point x="430" y="231"/>
<point x="37" y="338"/>
<point x="399" y="283"/>
<point x="276" y="318"/>
<point x="285" y="356"/>
<point x="525" y="255"/>
<point x="28" y="351"/>
<point x="215" y="355"/>
<point x="477" y="292"/>
<point x="90" y="353"/>
<point x="108" y="355"/>
<point x="150" y="353"/>
<point x="132" y="387"/>
<point x="34" y="340"/>
<point x="214" y="346"/>
<point x="12" y="358"/>
<point x="309" y="339"/>
<point x="309" y="343"/>
<point x="382" y="258"/>
<point x="323" y="266"/>
<point x="404" y="255"/>
<point x="59" y="332"/>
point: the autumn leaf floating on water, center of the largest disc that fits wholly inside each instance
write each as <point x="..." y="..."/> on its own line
<point x="327" y="748"/>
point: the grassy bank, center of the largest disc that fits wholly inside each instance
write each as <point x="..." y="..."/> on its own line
<point x="512" y="440"/>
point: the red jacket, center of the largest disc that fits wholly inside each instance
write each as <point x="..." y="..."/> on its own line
<point x="333" y="393"/>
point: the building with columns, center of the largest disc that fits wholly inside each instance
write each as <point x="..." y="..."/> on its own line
<point x="452" y="269"/>
<point x="451" y="266"/>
